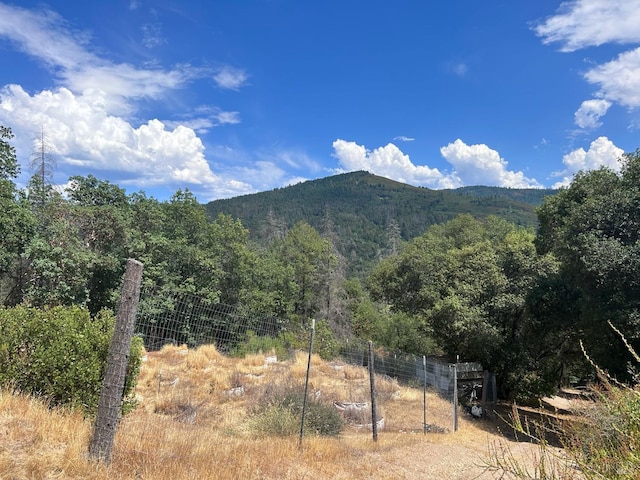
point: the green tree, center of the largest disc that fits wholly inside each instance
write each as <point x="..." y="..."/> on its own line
<point x="312" y="260"/>
<point x="17" y="224"/>
<point x="59" y="262"/>
<point x="593" y="228"/>
<point x="101" y="212"/>
<point x="466" y="283"/>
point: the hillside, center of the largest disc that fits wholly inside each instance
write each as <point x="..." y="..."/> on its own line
<point x="366" y="215"/>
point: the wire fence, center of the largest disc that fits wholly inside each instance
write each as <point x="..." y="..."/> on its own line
<point x="185" y="319"/>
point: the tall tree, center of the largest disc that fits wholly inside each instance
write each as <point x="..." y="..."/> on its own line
<point x="312" y="260"/>
<point x="16" y="224"/>
<point x="101" y="212"/>
<point x="43" y="164"/>
<point x="593" y="227"/>
<point x="466" y="283"/>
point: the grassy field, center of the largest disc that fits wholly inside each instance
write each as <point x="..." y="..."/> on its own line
<point x="196" y="419"/>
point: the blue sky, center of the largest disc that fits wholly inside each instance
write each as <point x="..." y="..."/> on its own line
<point x="238" y="96"/>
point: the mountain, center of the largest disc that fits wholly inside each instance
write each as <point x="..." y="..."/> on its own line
<point x="367" y="216"/>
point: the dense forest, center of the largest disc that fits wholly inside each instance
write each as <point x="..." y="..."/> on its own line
<point x="369" y="217"/>
<point x="479" y="273"/>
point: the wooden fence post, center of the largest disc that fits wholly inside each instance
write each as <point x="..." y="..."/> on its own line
<point x="110" y="403"/>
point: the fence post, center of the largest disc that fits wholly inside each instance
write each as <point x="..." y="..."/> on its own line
<point x="110" y="403"/>
<point x="374" y="412"/>
<point x="455" y="395"/>
<point x="306" y="382"/>
<point x="424" y="395"/>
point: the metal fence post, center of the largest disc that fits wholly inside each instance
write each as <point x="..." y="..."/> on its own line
<point x="424" y="394"/>
<point x="374" y="413"/>
<point x="306" y="382"/>
<point x="455" y="395"/>
<point x="110" y="403"/>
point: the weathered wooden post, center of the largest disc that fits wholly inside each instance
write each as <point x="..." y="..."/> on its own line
<point x="110" y="403"/>
<point x="374" y="413"/>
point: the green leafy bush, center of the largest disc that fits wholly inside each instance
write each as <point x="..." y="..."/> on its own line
<point x="60" y="354"/>
<point x="279" y="345"/>
<point x="325" y="344"/>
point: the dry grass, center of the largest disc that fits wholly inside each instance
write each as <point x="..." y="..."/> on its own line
<point x="192" y="422"/>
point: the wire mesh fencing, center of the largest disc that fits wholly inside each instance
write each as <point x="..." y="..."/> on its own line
<point x="415" y="393"/>
<point x="186" y="319"/>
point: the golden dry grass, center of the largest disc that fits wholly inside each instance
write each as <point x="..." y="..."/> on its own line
<point x="192" y="422"/>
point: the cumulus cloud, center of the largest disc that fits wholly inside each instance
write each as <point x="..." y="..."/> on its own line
<point x="585" y="23"/>
<point x="389" y="161"/>
<point x="601" y="153"/>
<point x="472" y="165"/>
<point x="589" y="113"/>
<point x="230" y="78"/>
<point x="83" y="134"/>
<point x="481" y="165"/>
<point x="87" y="116"/>
<point x="619" y="79"/>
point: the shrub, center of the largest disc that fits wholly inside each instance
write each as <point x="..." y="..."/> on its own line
<point x="254" y="343"/>
<point x="60" y="353"/>
<point x="601" y="443"/>
<point x="279" y="412"/>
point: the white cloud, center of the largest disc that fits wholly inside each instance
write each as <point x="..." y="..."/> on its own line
<point x="85" y="137"/>
<point x="402" y="138"/>
<point x="473" y="165"/>
<point x="230" y="78"/>
<point x="390" y="162"/>
<point x="584" y="23"/>
<point x="619" y="79"/>
<point x="85" y="117"/>
<point x="480" y="165"/>
<point x="589" y="113"/>
<point x="45" y="35"/>
<point x="152" y="35"/>
<point x="602" y="153"/>
<point x="208" y="118"/>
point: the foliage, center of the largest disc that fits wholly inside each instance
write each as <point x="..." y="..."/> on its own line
<point x="465" y="283"/>
<point x="600" y="441"/>
<point x="326" y="346"/>
<point x="9" y="167"/>
<point x="280" y="412"/>
<point x="17" y="223"/>
<point x="280" y="345"/>
<point x="367" y="211"/>
<point x="593" y="228"/>
<point x="60" y="353"/>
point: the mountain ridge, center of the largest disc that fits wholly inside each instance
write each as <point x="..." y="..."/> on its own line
<point x="367" y="215"/>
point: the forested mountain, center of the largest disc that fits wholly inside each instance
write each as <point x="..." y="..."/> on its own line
<point x="367" y="216"/>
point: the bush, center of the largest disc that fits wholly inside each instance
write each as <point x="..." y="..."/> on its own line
<point x="60" y="354"/>
<point x="600" y="443"/>
<point x="279" y="412"/>
<point x="254" y="343"/>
